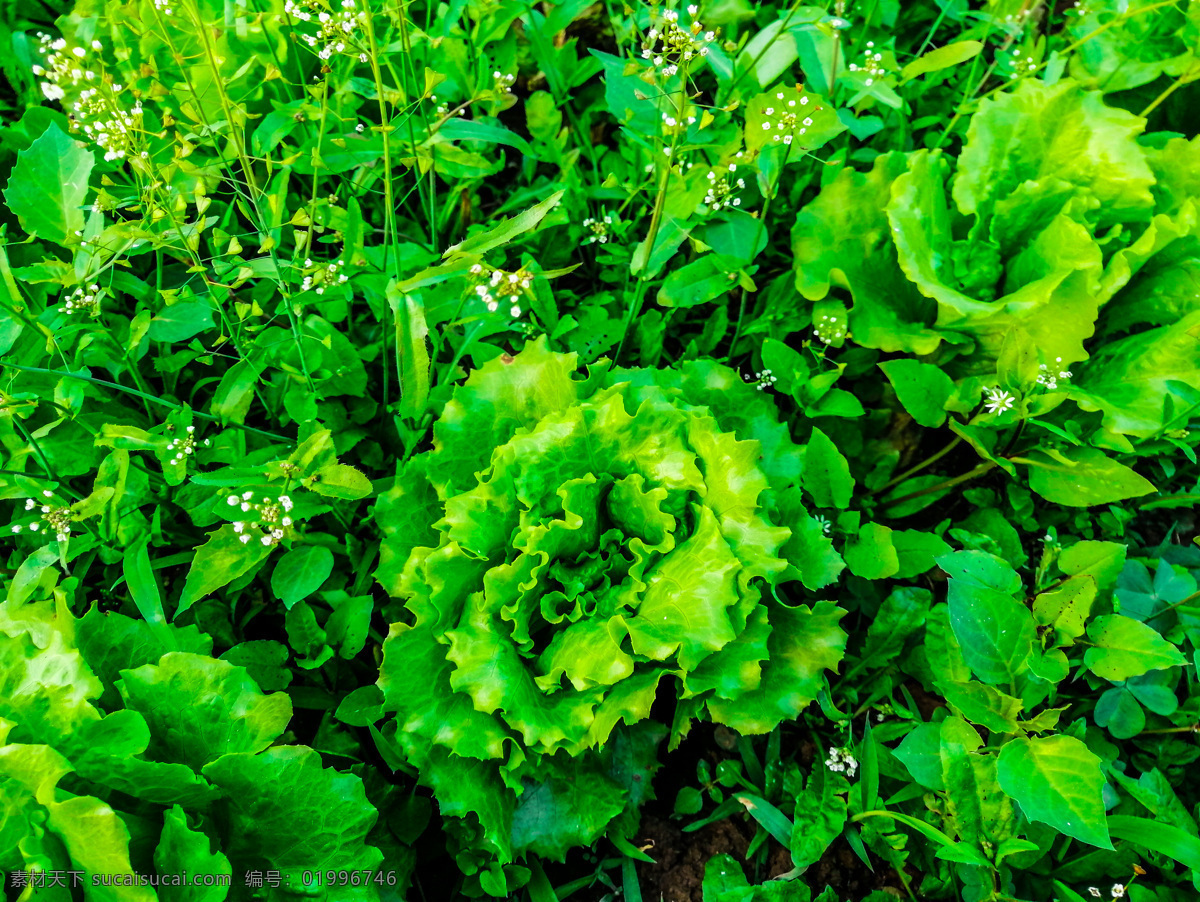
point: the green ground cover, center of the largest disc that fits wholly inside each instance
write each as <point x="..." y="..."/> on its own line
<point x="731" y="452"/>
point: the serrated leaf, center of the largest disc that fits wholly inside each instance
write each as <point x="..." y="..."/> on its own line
<point x="48" y="185"/>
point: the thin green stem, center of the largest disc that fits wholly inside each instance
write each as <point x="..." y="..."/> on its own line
<point x="917" y="468"/>
<point x="945" y="484"/>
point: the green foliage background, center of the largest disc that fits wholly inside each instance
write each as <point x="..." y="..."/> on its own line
<point x="431" y="431"/>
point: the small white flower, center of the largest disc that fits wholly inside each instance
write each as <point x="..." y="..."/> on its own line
<point x="1118" y="890"/>
<point x="243" y="539"/>
<point x="998" y="400"/>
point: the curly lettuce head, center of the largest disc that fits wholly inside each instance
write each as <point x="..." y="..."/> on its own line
<point x="1046" y="173"/>
<point x="567" y="552"/>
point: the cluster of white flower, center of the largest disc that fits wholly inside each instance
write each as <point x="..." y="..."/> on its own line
<point x="83" y="299"/>
<point x="720" y="189"/>
<point x="1021" y="67"/>
<point x="64" y="65"/>
<point x="1117" y="891"/>
<point x="320" y="276"/>
<point x="829" y="329"/>
<point x="824" y="523"/>
<point x="270" y="515"/>
<point x="998" y="400"/>
<point x="443" y="111"/>
<point x="1016" y="22"/>
<point x="1080" y="8"/>
<point x="55" y="518"/>
<point x="97" y="111"/>
<point x="164" y="7"/>
<point x="598" y="228"/>
<point x="841" y="761"/>
<point x="668" y="44"/>
<point x="673" y="124"/>
<point x="762" y="381"/>
<point x="789" y="120"/>
<point x="501" y="83"/>
<point x="102" y="119"/>
<point x="338" y="29"/>
<point x="871" y="65"/>
<point x="1049" y="378"/>
<point x="498" y="286"/>
<point x="186" y="446"/>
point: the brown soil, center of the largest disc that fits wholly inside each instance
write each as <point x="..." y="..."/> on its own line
<point x="678" y="872"/>
<point x="840" y="868"/>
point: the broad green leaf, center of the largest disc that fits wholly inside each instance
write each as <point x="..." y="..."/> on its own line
<point x="941" y="58"/>
<point x="140" y="579"/>
<point x="802" y="646"/>
<point x="300" y="572"/>
<point x="1119" y="713"/>
<point x="1127" y="379"/>
<point x="982" y="704"/>
<point x="1054" y="135"/>
<point x="231" y="400"/>
<point x="980" y="811"/>
<point x="288" y="812"/>
<point x="1056" y="780"/>
<point x="943" y="651"/>
<point x="1102" y="561"/>
<point x="1082" y="477"/>
<point x="470" y="130"/>
<point x="917" y="551"/>
<point x="819" y="817"/>
<point x="218" y="562"/>
<point x="1067" y="606"/>
<point x="920" y="752"/>
<point x="1126" y="648"/>
<point x="48" y="185"/>
<point x="871" y="554"/>
<point x="994" y="630"/>
<point x="305" y="636"/>
<point x="841" y="239"/>
<point x="809" y="551"/>
<point x="341" y="481"/>
<point x="200" y="708"/>
<point x="922" y="388"/>
<point x="569" y="805"/>
<point x="902" y="613"/>
<point x="697" y="282"/>
<point x="826" y="472"/>
<point x="183" y="850"/>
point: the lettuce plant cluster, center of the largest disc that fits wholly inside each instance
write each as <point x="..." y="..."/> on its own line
<point x="571" y="550"/>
